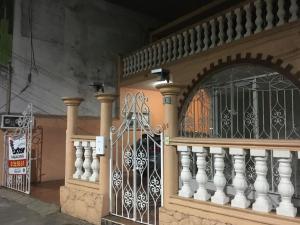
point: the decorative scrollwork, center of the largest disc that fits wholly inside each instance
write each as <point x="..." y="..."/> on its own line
<point x="128" y="156"/>
<point x="117" y="179"/>
<point x="128" y="197"/>
<point x="142" y="200"/>
<point x="141" y="159"/>
<point x="155" y="185"/>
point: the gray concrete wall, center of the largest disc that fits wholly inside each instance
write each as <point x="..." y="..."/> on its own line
<point x="75" y="43"/>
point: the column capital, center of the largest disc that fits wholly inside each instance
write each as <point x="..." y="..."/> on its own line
<point x="72" y="101"/>
<point x="170" y="88"/>
<point x="105" y="97"/>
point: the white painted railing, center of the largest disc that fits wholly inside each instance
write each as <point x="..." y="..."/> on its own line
<point x="235" y="24"/>
<point x="218" y="191"/>
<point x="86" y="161"/>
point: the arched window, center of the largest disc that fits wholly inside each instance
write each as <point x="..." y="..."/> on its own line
<point x="244" y="101"/>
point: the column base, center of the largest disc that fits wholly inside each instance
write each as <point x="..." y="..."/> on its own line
<point x="262" y="205"/>
<point x="240" y="201"/>
<point x="185" y="193"/>
<point x="286" y="210"/>
<point x="202" y="195"/>
<point x="220" y="198"/>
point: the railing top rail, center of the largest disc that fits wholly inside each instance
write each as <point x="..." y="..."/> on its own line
<point x="83" y="137"/>
<point x="270" y="144"/>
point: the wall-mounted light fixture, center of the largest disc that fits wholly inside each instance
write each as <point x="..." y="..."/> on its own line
<point x="97" y="86"/>
<point x="163" y="73"/>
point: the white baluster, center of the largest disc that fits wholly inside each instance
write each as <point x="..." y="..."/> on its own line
<point x="198" y="42"/>
<point x="158" y="46"/>
<point x="154" y="56"/>
<point x="221" y="30"/>
<point x="186" y="176"/>
<point x="280" y="12"/>
<point x="78" y="161"/>
<point x="137" y="55"/>
<point x="248" y="20"/>
<point x="201" y="176"/>
<point x="219" y="179"/>
<point x="130" y="64"/>
<point x="185" y="43"/>
<point x="134" y="63"/>
<point x="293" y="10"/>
<point x="205" y="41"/>
<point x="229" y="28"/>
<point x="213" y="33"/>
<point x="150" y="57"/>
<point x="261" y="185"/>
<point x="258" y="20"/>
<point x="146" y="58"/>
<point x="192" y="43"/>
<point x="175" y="47"/>
<point x="239" y="27"/>
<point x="95" y="164"/>
<point x="180" y="47"/>
<point x="239" y="181"/>
<point x="169" y="52"/>
<point x="141" y="60"/>
<point x="269" y="15"/>
<point x="285" y="186"/>
<point x="164" y="51"/>
<point x="87" y="161"/>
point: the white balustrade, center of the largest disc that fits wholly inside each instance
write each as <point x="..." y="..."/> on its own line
<point x="258" y="20"/>
<point x="221" y="30"/>
<point x="239" y="181"/>
<point x="261" y="185"/>
<point x="219" y="179"/>
<point x="229" y="29"/>
<point x="180" y="48"/>
<point x="248" y="25"/>
<point x="87" y="162"/>
<point x="280" y="12"/>
<point x="198" y="186"/>
<point x="201" y="176"/>
<point x="175" y="47"/>
<point x="198" y="42"/>
<point x="205" y="41"/>
<point x="285" y="186"/>
<point x="213" y="33"/>
<point x="78" y="161"/>
<point x="270" y="15"/>
<point x="192" y="43"/>
<point x="245" y="20"/>
<point x="95" y="164"/>
<point x="239" y="27"/>
<point x="186" y="43"/>
<point x="293" y="10"/>
<point x="185" y="176"/>
<point x="169" y="52"/>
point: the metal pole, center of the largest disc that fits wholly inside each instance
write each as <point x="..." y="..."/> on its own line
<point x="8" y="90"/>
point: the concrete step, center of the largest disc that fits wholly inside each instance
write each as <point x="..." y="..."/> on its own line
<point x="116" y="220"/>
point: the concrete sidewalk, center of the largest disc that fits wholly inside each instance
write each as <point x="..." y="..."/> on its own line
<point x="20" y="209"/>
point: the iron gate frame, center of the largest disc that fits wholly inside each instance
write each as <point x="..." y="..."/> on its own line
<point x="134" y="120"/>
<point x="20" y="182"/>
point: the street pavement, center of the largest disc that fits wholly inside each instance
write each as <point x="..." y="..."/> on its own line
<point x="16" y="209"/>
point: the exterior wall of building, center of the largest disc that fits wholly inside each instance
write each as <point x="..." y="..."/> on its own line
<point x="75" y="43"/>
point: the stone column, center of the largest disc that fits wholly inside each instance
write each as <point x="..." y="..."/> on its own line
<point x="72" y="114"/>
<point x="106" y="101"/>
<point x="170" y="94"/>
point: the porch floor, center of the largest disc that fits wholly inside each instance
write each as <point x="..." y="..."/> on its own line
<point x="47" y="191"/>
<point x="115" y="220"/>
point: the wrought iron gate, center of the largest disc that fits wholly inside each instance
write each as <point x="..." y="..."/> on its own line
<point x="136" y="157"/>
<point x="19" y="182"/>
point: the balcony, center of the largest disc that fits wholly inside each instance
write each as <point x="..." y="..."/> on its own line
<point x="230" y="26"/>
